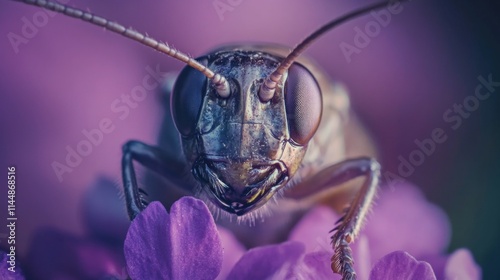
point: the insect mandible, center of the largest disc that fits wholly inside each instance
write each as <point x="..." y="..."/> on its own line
<point x="247" y="116"/>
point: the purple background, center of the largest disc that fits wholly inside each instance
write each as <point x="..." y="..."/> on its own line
<point x="64" y="79"/>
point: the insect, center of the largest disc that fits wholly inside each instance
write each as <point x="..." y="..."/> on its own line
<point x="248" y="118"/>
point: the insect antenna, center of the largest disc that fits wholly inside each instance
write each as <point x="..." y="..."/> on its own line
<point x="268" y="87"/>
<point x="220" y="82"/>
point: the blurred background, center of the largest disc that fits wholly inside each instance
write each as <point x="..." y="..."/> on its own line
<point x="60" y="76"/>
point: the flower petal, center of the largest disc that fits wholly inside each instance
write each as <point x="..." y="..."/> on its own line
<point x="400" y="265"/>
<point x="198" y="246"/>
<point x="361" y="254"/>
<point x="269" y="262"/>
<point x="182" y="245"/>
<point x="233" y="250"/>
<point x="5" y="268"/>
<point x="461" y="265"/>
<point x="147" y="246"/>
<point x="316" y="265"/>
<point x="313" y="229"/>
<point x="404" y="220"/>
<point x="437" y="262"/>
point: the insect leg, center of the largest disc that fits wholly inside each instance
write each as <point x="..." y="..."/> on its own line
<point x="350" y="224"/>
<point x="152" y="158"/>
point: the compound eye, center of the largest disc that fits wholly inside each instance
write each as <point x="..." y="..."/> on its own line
<point x="303" y="104"/>
<point x="187" y="98"/>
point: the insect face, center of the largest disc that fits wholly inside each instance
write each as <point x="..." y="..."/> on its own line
<point x="243" y="149"/>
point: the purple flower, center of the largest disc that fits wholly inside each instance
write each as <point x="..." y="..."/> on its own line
<point x="181" y="245"/>
<point x="186" y="244"/>
<point x="401" y="265"/>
